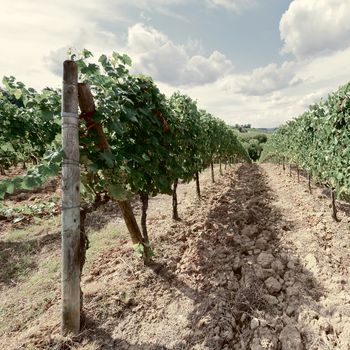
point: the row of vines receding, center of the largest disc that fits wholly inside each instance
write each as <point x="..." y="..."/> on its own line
<point x="318" y="142"/>
<point x="134" y="141"/>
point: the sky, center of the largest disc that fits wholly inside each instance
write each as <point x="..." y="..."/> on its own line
<point x="258" y="62"/>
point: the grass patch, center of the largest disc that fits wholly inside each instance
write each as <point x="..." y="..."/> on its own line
<point x="31" y="298"/>
<point x="20" y="250"/>
<point x="18" y="267"/>
<point x="101" y="240"/>
<point x="33" y="302"/>
<point x="39" y="227"/>
<point x="48" y="273"/>
<point x="15" y="235"/>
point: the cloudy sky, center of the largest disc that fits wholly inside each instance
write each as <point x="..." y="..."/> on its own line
<point x="246" y="61"/>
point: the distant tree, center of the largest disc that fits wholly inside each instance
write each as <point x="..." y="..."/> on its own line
<point x="254" y="149"/>
<point x="261" y="138"/>
<point x="242" y="129"/>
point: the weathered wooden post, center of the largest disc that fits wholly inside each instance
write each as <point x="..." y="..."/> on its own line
<point x="198" y="188"/>
<point x="310" y="189"/>
<point x="212" y="172"/>
<point x="334" y="208"/>
<point x="70" y="202"/>
<point x="175" y="212"/>
<point x="298" y="171"/>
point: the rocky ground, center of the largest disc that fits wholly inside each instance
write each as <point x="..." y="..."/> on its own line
<point x="257" y="263"/>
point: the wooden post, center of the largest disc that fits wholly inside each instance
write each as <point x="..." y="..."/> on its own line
<point x="144" y="201"/>
<point x="70" y="202"/>
<point x="198" y="188"/>
<point x="130" y="221"/>
<point x="298" y="170"/>
<point x="175" y="212"/>
<point x="334" y="208"/>
<point x="310" y="189"/>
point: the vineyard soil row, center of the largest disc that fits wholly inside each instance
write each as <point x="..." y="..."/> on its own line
<point x="258" y="263"/>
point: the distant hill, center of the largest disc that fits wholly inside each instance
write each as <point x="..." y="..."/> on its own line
<point x="248" y="128"/>
<point x="266" y="129"/>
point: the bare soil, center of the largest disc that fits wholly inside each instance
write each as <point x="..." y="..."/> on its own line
<point x="257" y="263"/>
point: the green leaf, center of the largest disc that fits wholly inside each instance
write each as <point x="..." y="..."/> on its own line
<point x="103" y="60"/>
<point x="86" y="53"/>
<point x="118" y="192"/>
<point x="108" y="157"/>
<point x="10" y="188"/>
<point x="47" y="114"/>
<point x="7" y="147"/>
<point x="131" y="114"/>
<point x="18" y="93"/>
<point x="126" y="60"/>
<point x="145" y="157"/>
<point x="139" y="249"/>
<point x="90" y="69"/>
<point x="93" y="167"/>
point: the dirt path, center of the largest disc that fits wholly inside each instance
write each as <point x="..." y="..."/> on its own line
<point x="256" y="264"/>
<point x="321" y="247"/>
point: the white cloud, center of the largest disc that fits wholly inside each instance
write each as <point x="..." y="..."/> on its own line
<point x="147" y="3"/>
<point x="34" y="31"/>
<point x="54" y="59"/>
<point x="143" y="38"/>
<point x="39" y="33"/>
<point x="145" y="17"/>
<point x="155" y="54"/>
<point x="227" y="99"/>
<point x="203" y="70"/>
<point x="169" y="12"/>
<point x="263" y="80"/>
<point x="268" y="79"/>
<point x="94" y="39"/>
<point x="232" y="5"/>
<point x="313" y="27"/>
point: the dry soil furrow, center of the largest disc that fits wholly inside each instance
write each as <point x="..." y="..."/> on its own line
<point x="256" y="264"/>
